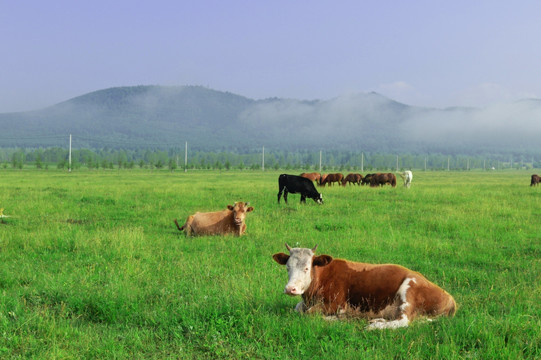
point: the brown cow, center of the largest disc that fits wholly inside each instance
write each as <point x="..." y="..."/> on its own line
<point x="230" y="221"/>
<point x="536" y="179"/>
<point x="312" y="176"/>
<point x="323" y="179"/>
<point x="352" y="179"/>
<point x="391" y="295"/>
<point x="332" y="178"/>
<point x="366" y="179"/>
<point x="381" y="179"/>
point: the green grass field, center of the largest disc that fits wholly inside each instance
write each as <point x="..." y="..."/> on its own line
<point x="92" y="266"/>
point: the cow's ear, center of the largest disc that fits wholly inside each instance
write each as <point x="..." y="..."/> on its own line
<point x="281" y="258"/>
<point x="322" y="260"/>
<point x="251" y="208"/>
<point x="230" y="207"/>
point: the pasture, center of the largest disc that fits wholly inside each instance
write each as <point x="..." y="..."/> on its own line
<point x="92" y="265"/>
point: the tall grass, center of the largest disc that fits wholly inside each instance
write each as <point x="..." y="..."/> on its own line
<point x="92" y="266"/>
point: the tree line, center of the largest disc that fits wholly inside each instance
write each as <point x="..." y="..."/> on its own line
<point x="174" y="158"/>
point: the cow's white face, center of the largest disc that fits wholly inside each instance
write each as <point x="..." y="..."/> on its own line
<point x="319" y="200"/>
<point x="299" y="265"/>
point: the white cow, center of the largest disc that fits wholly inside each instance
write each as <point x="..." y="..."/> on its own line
<point x="407" y="176"/>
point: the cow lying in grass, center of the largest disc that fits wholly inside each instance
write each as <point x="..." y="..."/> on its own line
<point x="229" y="221"/>
<point x="389" y="294"/>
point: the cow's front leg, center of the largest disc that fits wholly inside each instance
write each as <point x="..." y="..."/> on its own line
<point x="285" y="196"/>
<point x="301" y="307"/>
<point x="303" y="198"/>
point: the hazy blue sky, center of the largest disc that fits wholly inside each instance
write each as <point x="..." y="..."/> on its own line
<point x="428" y="53"/>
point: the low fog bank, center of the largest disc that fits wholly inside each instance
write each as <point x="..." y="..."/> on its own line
<point x="372" y="122"/>
<point x="144" y="116"/>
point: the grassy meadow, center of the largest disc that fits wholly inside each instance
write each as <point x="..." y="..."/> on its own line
<point x="92" y="265"/>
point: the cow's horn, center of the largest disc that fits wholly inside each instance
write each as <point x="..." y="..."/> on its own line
<point x="288" y="247"/>
<point x="314" y="249"/>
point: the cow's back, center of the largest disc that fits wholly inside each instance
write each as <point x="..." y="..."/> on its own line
<point x="294" y="183"/>
<point x="371" y="288"/>
<point x="359" y="284"/>
<point x="212" y="222"/>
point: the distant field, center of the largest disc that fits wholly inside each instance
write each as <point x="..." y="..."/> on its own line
<point x="92" y="266"/>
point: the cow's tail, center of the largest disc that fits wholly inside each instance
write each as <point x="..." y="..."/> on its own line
<point x="180" y="228"/>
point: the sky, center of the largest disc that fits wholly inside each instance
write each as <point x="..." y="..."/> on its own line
<point x="425" y="53"/>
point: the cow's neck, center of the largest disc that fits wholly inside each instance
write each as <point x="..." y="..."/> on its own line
<point x="231" y="222"/>
<point x="311" y="295"/>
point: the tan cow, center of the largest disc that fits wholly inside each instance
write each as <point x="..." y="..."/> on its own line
<point x="314" y="176"/>
<point x="391" y="295"/>
<point x="229" y="221"/>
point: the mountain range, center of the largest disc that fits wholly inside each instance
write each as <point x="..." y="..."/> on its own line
<point x="210" y="120"/>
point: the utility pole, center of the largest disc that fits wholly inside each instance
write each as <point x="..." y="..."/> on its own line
<point x="320" y="161"/>
<point x="186" y="157"/>
<point x="396" y="163"/>
<point x="425" y="163"/>
<point x="69" y="157"/>
<point x="448" y="160"/>
<point x="263" y="160"/>
<point x="362" y="162"/>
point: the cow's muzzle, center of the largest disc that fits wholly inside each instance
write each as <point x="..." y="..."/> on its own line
<point x="292" y="291"/>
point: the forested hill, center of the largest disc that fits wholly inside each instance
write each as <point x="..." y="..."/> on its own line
<point x="156" y="116"/>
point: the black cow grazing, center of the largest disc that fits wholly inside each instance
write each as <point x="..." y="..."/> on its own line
<point x="536" y="179"/>
<point x="296" y="184"/>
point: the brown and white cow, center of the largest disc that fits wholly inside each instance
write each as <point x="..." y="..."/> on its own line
<point x="229" y="221"/>
<point x="389" y="294"/>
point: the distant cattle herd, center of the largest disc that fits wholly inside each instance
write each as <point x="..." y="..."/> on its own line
<point x="374" y="180"/>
